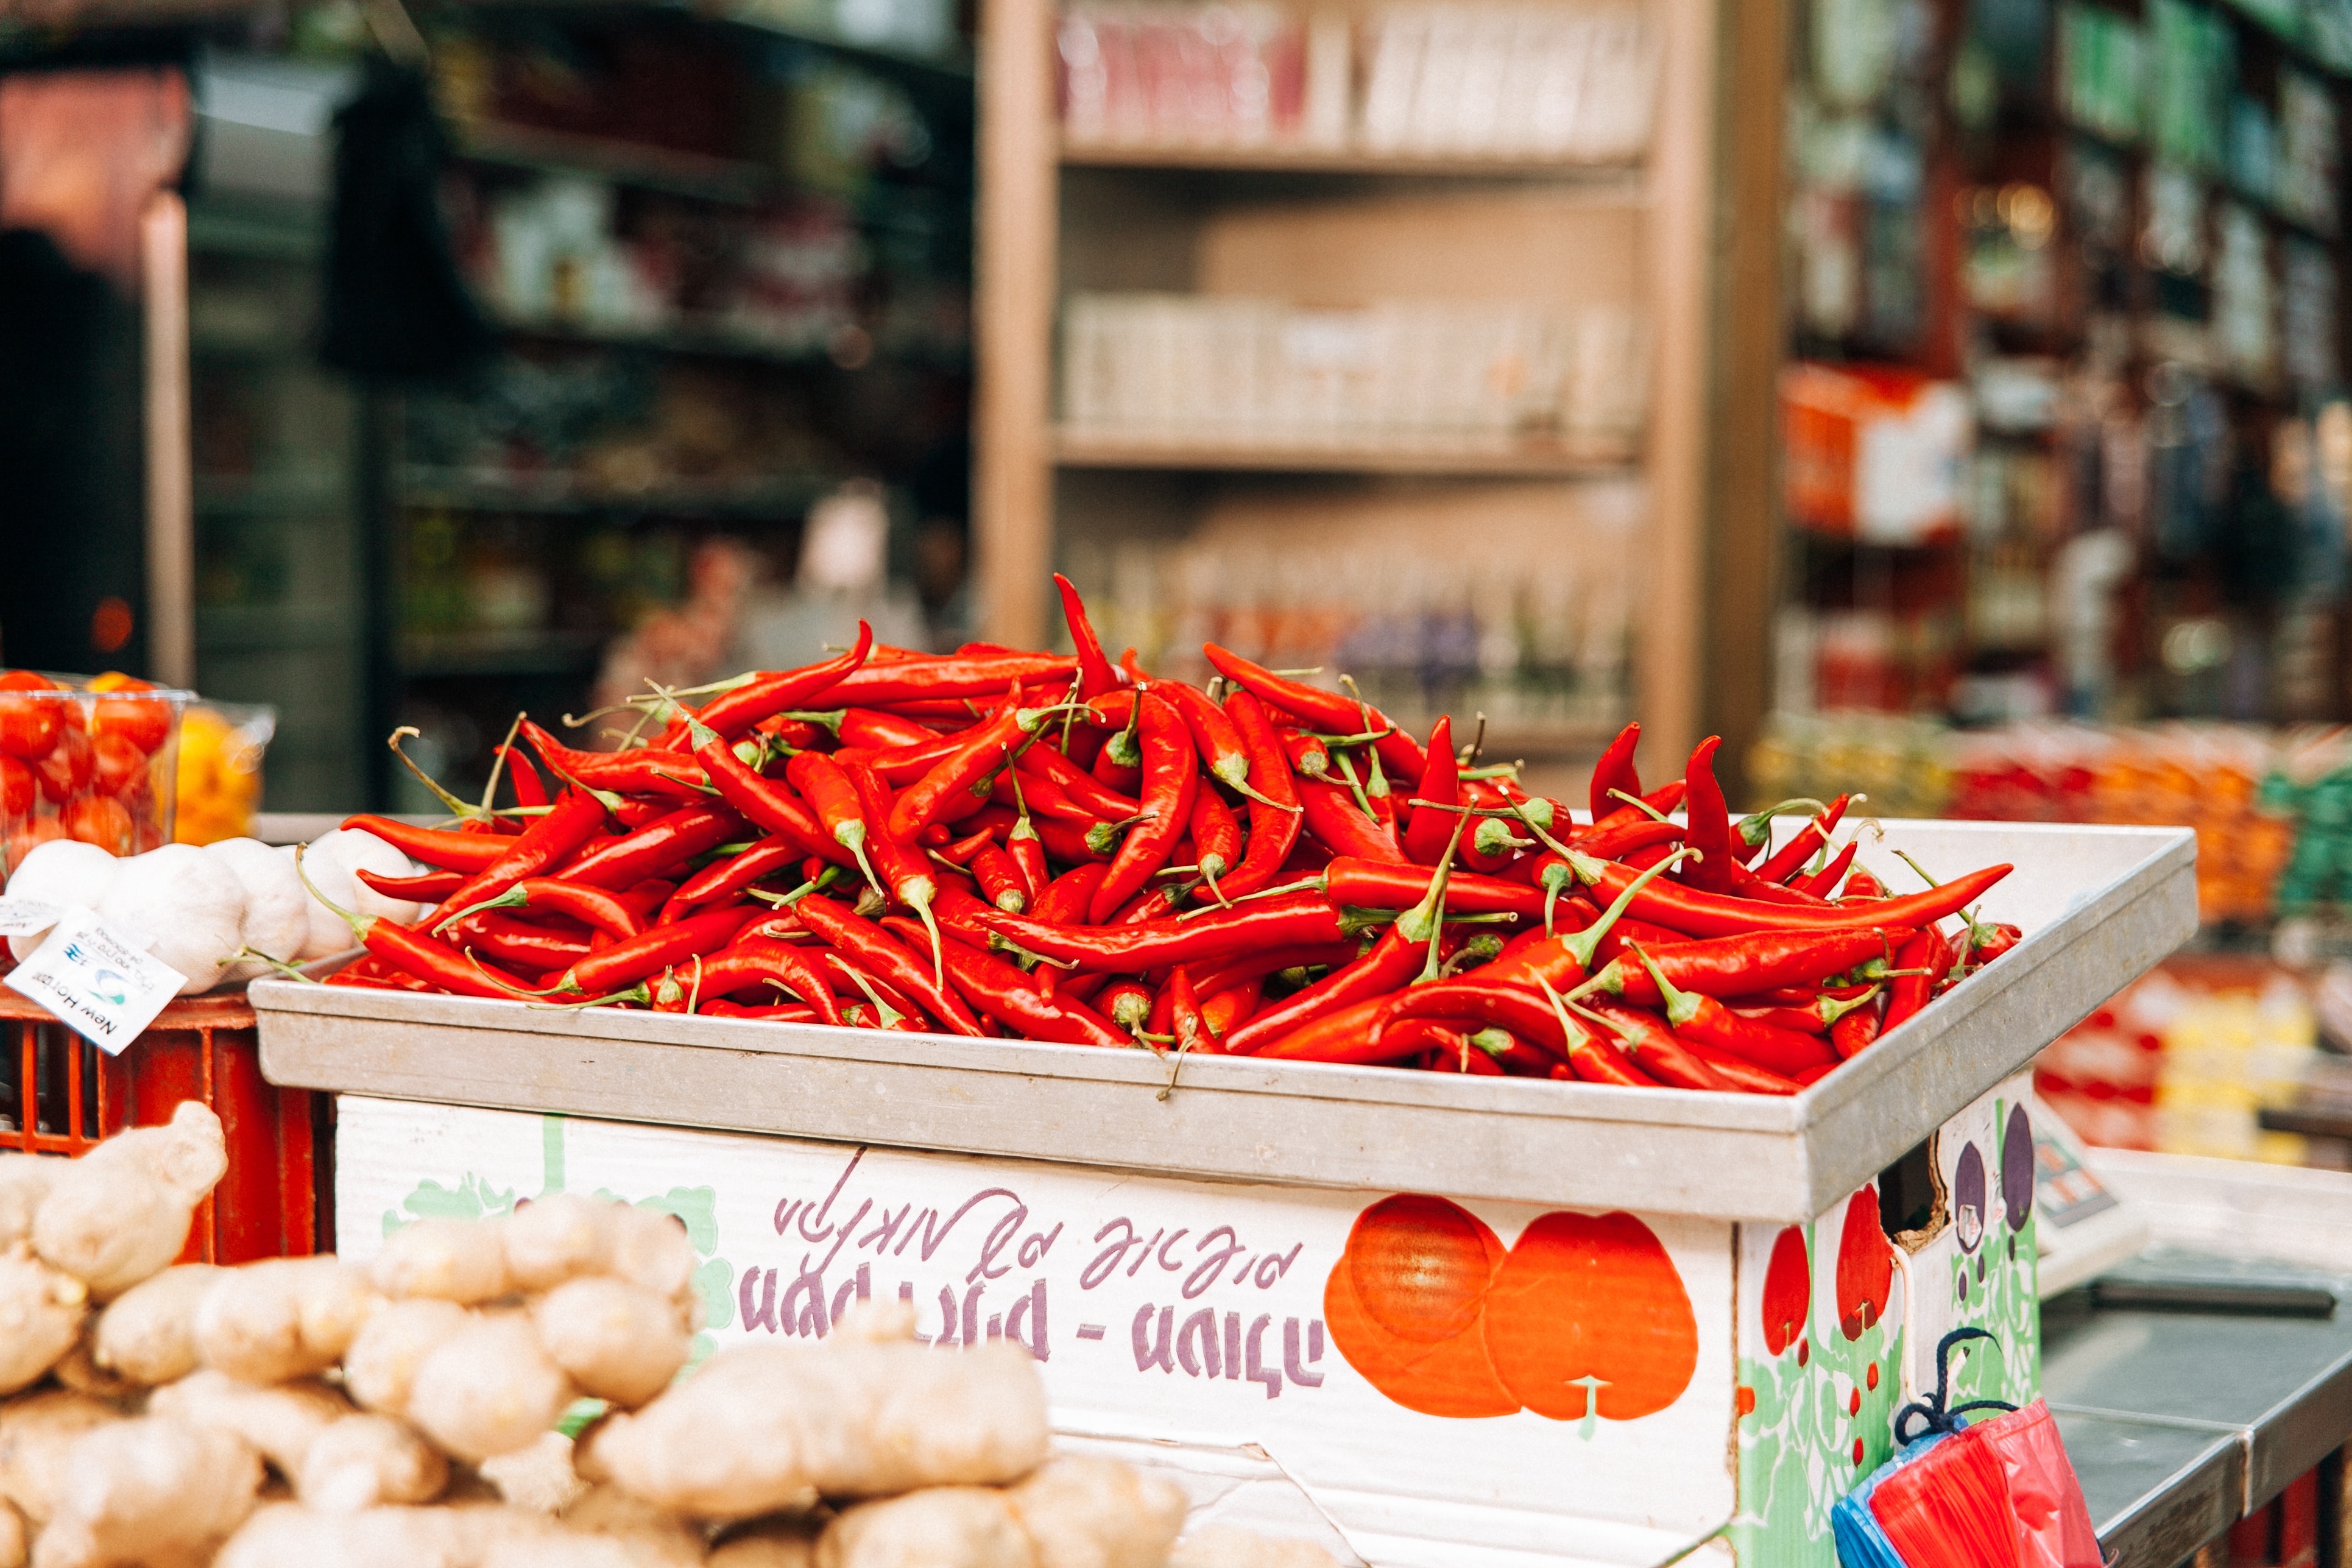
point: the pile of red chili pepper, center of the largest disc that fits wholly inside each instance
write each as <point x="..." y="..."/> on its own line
<point x="1058" y="849"/>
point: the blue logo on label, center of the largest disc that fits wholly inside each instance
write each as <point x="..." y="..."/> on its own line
<point x="110" y="987"/>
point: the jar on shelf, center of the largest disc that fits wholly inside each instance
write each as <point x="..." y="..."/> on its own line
<point x="94" y="759"/>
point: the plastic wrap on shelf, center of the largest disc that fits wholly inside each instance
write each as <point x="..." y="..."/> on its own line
<point x="221" y="748"/>
<point x="1570" y="83"/>
<point x="2185" y="1060"/>
<point x="1257" y="373"/>
<point x="90" y="759"/>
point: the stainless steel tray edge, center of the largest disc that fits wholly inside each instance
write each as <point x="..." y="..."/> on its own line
<point x="1233" y="1118"/>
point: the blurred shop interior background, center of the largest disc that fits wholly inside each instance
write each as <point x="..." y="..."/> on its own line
<point x="1945" y="394"/>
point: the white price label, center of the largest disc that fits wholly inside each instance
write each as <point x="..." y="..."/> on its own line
<point x="23" y="917"/>
<point x="96" y="980"/>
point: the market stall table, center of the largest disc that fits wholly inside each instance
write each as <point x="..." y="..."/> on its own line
<point x="2181" y="1423"/>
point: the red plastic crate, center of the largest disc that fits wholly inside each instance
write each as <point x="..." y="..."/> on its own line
<point x="60" y="1095"/>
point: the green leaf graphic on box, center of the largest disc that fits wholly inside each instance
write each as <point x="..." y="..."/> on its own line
<point x="471" y="1199"/>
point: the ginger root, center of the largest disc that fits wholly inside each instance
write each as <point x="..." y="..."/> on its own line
<point x="23" y="1183"/>
<point x="1225" y="1547"/>
<point x="619" y="1341"/>
<point x="558" y="1238"/>
<point x="1098" y="1513"/>
<point x="285" y="1317"/>
<point x="539" y="1478"/>
<point x="148" y="1493"/>
<point x="278" y="1423"/>
<point x="366" y="1461"/>
<point x="490" y="1389"/>
<point x="16" y="1539"/>
<point x="449" y="1260"/>
<point x="120" y="1213"/>
<point x="36" y="1434"/>
<point x="41" y="1312"/>
<point x="945" y="1527"/>
<point x="284" y="1536"/>
<point x="381" y="1365"/>
<point x="148" y="1335"/>
<point x="846" y="1419"/>
<point x="769" y="1543"/>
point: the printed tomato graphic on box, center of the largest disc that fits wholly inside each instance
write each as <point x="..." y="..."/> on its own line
<point x="1583" y="1315"/>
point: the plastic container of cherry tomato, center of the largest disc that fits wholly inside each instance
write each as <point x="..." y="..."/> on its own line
<point x="93" y="758"/>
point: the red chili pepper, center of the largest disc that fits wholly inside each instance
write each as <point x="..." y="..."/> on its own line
<point x="533" y="949"/>
<point x="1828" y="876"/>
<point x="1274" y="814"/>
<point x="1746" y="1075"/>
<point x="784" y="1013"/>
<point x="1214" y="734"/>
<point x="1308" y="757"/>
<point x="1857" y="1029"/>
<point x="1364" y="884"/>
<point x="529" y="789"/>
<point x="870" y="728"/>
<point x="1699" y="1020"/>
<point x="1000" y="878"/>
<point x="1708" y="825"/>
<point x="1523" y="1010"/>
<point x="722" y="878"/>
<point x="1862" y="885"/>
<point x="905" y="764"/>
<point x="733" y="712"/>
<point x="659" y="845"/>
<point x="1095" y="673"/>
<point x="902" y="868"/>
<point x="1990" y="941"/>
<point x="467" y="852"/>
<point x="1028" y="853"/>
<point x="1216" y="841"/>
<point x="1427" y="833"/>
<point x="1185" y="1019"/>
<point x="1339" y="715"/>
<point x="1335" y="819"/>
<point x="654" y="951"/>
<point x="429" y="888"/>
<point x="542" y="846"/>
<point x="1083" y="791"/>
<point x="1002" y="992"/>
<point x="592" y="907"/>
<point x="981" y="751"/>
<point x="1614" y="771"/>
<point x="854" y="980"/>
<point x="413" y="952"/>
<point x="756" y="963"/>
<point x="1171" y="777"/>
<point x="874" y="948"/>
<point x="1741" y="965"/>
<point x="903" y="682"/>
<point x="1653" y="1048"/>
<point x="1205" y="934"/>
<point x="1391" y="961"/>
<point x="1341" y="1037"/>
<point x="1790" y="858"/>
<point x="826" y="785"/>
<point x="1711" y="914"/>
<point x="637" y="771"/>
<point x="1126" y="1003"/>
<point x="1928" y="952"/>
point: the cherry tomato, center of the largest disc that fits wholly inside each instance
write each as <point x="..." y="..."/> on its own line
<point x="65" y="771"/>
<point x="28" y="725"/>
<point x="145" y="722"/>
<point x="96" y="819"/>
<point x="117" y="764"/>
<point x="16" y="789"/>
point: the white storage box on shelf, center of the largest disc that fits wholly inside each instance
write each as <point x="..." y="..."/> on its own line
<point x="1432" y="1321"/>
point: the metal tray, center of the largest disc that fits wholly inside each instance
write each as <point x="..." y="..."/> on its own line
<point x="2100" y="907"/>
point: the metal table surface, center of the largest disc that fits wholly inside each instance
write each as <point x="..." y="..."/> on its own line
<point x="2181" y="1423"/>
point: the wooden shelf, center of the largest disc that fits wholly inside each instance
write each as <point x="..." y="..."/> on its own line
<point x="562" y="494"/>
<point x="1277" y="160"/>
<point x="1086" y="450"/>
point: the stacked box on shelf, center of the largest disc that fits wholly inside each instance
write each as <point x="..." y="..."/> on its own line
<point x="1435" y="1322"/>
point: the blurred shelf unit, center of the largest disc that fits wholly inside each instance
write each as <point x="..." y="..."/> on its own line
<point x="1370" y="338"/>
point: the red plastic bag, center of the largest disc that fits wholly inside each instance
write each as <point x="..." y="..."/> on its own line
<point x="1950" y="1509"/>
<point x="2053" y="1524"/>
